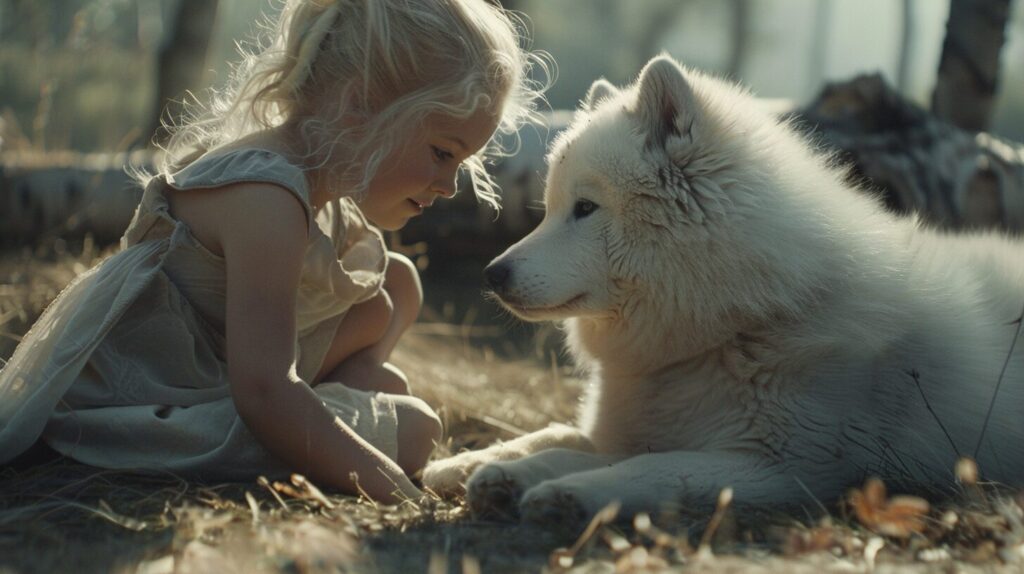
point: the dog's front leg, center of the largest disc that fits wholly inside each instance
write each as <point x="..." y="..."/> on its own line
<point x="495" y="489"/>
<point x="447" y="477"/>
<point x="682" y="480"/>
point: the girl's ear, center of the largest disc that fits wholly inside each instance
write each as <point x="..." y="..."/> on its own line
<point x="665" y="104"/>
<point x="601" y="89"/>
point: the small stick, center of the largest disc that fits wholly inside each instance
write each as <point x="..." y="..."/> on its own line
<point x="262" y="481"/>
<point x="724" y="499"/>
<point x="562" y="558"/>
<point x="992" y="403"/>
<point x="917" y="381"/>
<point x="254" y="507"/>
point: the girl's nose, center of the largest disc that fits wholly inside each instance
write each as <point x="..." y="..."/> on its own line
<point x="447" y="186"/>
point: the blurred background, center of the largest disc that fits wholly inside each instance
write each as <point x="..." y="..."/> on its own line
<point x="84" y="74"/>
<point x="83" y="84"/>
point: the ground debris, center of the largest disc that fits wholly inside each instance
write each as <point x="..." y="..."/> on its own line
<point x="59" y="513"/>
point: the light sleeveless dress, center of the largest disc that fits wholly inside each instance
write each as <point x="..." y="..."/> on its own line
<point x="126" y="368"/>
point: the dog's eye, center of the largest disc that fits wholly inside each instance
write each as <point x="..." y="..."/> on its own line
<point x="583" y="208"/>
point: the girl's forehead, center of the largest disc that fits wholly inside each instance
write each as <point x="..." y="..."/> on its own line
<point x="470" y="133"/>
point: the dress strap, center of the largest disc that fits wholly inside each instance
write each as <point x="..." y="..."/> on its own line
<point x="244" y="165"/>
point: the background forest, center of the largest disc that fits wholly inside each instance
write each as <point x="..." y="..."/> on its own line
<point x="83" y="74"/>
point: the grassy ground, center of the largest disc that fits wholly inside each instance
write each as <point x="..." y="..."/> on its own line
<point x="489" y="379"/>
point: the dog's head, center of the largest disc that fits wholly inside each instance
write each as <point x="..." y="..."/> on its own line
<point x="661" y="200"/>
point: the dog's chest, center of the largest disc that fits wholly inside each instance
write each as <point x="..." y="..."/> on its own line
<point x="706" y="408"/>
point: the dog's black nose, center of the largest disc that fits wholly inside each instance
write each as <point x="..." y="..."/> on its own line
<point x="496" y="275"/>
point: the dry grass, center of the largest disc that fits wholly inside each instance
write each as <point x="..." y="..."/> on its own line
<point x="59" y="514"/>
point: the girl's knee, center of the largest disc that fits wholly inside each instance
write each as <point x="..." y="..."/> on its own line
<point x="371" y="317"/>
<point x="364" y="325"/>
<point x="419" y="430"/>
<point x="402" y="282"/>
<point x="393" y="381"/>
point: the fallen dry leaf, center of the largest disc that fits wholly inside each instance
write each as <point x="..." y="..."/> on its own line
<point x="899" y="516"/>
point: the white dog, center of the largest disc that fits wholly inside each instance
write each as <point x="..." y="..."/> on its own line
<point x="747" y="319"/>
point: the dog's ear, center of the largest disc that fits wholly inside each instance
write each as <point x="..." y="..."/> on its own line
<point x="601" y="89"/>
<point x="665" y="104"/>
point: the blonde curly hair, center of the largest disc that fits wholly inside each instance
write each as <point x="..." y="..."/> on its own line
<point x="351" y="77"/>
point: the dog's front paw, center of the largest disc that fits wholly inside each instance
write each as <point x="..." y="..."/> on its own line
<point x="493" y="493"/>
<point x="447" y="477"/>
<point x="556" y="507"/>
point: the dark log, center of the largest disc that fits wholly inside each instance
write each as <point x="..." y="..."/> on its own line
<point x="65" y="194"/>
<point x="955" y="179"/>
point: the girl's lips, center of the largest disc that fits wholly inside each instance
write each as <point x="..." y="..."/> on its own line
<point x="416" y="206"/>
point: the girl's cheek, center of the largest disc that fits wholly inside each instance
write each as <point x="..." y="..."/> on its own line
<point x="430" y="171"/>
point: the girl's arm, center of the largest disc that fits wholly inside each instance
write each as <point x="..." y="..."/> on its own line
<point x="262" y="233"/>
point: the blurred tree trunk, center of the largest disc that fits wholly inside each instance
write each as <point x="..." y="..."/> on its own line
<point x="906" y="48"/>
<point x="819" y="40"/>
<point x="969" y="66"/>
<point x="741" y="32"/>
<point x="180" y="59"/>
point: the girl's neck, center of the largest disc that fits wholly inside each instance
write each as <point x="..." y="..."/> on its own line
<point x="318" y="193"/>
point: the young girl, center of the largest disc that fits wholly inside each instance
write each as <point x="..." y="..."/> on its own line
<point x="245" y="326"/>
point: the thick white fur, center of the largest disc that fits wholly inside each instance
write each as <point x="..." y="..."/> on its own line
<point x="747" y="319"/>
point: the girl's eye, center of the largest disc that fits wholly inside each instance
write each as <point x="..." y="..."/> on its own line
<point x="441" y="155"/>
<point x="583" y="208"/>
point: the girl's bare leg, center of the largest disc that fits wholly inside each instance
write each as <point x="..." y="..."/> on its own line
<point x="368" y="334"/>
<point x="364" y="342"/>
<point x="402" y="284"/>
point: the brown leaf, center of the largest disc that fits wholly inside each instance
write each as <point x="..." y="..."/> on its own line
<point x="899" y="516"/>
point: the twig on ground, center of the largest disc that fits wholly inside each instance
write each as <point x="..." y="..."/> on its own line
<point x="262" y="481"/>
<point x="1016" y="335"/>
<point x="562" y="558"/>
<point x="917" y="381"/>
<point x="724" y="500"/>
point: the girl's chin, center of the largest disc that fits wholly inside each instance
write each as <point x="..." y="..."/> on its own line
<point x="393" y="219"/>
<point x="392" y="223"/>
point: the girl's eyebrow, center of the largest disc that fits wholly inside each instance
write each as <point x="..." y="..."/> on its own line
<point x="456" y="140"/>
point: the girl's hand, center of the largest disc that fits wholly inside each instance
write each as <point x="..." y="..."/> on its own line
<point x="408" y="491"/>
<point x="390" y="486"/>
